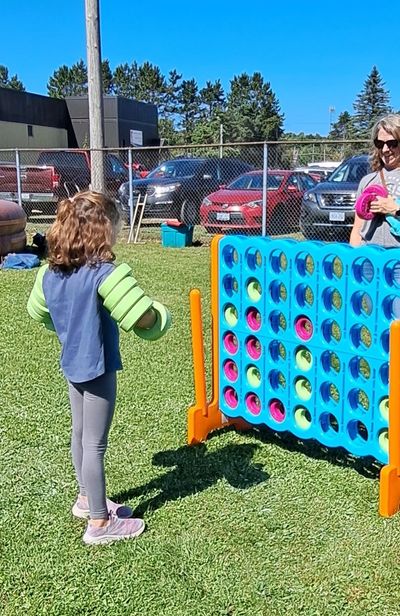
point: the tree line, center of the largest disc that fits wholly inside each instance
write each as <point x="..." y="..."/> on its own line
<point x="188" y="114"/>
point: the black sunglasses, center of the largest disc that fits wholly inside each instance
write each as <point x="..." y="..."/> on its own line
<point x="391" y="143"/>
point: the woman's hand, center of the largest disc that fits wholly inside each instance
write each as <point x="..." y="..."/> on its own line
<point x="384" y="205"/>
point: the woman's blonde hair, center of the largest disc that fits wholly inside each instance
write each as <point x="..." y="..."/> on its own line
<point x="391" y="124"/>
<point x="83" y="232"/>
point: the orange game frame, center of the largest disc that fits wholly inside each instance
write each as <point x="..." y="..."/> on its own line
<point x="204" y="417"/>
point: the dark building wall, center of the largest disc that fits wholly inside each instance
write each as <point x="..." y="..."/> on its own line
<point x="72" y="114"/>
<point x="120" y="116"/>
<point x="134" y="115"/>
<point x="23" y="109"/>
<point x="29" y="108"/>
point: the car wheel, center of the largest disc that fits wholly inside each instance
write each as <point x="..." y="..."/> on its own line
<point x="278" y="224"/>
<point x="188" y="213"/>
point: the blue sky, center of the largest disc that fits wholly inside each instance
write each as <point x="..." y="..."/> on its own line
<point x="314" y="54"/>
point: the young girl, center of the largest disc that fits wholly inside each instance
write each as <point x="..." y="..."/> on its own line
<point x="66" y="298"/>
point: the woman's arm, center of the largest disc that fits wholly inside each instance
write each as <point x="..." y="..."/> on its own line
<point x="355" y="235"/>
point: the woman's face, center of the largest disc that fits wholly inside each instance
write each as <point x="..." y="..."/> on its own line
<point x="389" y="156"/>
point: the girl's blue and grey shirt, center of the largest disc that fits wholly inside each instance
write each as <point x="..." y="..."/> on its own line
<point x="88" y="335"/>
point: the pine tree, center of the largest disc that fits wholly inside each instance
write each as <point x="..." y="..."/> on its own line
<point x="106" y="77"/>
<point x="253" y="111"/>
<point x="212" y="97"/>
<point x="344" y="127"/>
<point x="189" y="106"/>
<point x="12" y="83"/>
<point x="371" y="103"/>
<point x="68" y="81"/>
<point x="125" y="79"/>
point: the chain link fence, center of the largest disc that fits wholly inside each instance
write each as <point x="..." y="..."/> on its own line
<point x="303" y="189"/>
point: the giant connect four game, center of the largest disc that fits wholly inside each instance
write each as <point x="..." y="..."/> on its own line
<point x="301" y="335"/>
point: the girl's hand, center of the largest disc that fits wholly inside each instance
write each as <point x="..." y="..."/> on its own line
<point x="148" y="319"/>
<point x="384" y="205"/>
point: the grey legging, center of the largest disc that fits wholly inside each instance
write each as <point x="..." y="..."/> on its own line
<point x="92" y="407"/>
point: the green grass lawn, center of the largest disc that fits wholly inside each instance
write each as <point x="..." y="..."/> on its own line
<point x="245" y="524"/>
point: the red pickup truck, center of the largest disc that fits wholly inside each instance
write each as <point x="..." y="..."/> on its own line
<point x="39" y="186"/>
<point x="74" y="170"/>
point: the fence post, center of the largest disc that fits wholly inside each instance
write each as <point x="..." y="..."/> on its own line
<point x="18" y="170"/>
<point x="265" y="192"/>
<point x="130" y="179"/>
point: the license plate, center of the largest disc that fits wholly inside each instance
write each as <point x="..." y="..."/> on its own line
<point x="223" y="216"/>
<point x="337" y="216"/>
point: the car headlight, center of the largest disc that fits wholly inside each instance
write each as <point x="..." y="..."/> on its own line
<point x="206" y="201"/>
<point x="163" y="190"/>
<point x="310" y="196"/>
<point x="254" y="203"/>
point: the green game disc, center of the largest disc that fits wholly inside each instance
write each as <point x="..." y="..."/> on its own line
<point x="127" y="303"/>
<point x="253" y="376"/>
<point x="383" y="440"/>
<point x="301" y="415"/>
<point x="302" y="389"/>
<point x="231" y="315"/>
<point x="304" y="359"/>
<point x="254" y="290"/>
<point x="384" y="408"/>
<point x="118" y="292"/>
<point x="120" y="272"/>
<point x="135" y="314"/>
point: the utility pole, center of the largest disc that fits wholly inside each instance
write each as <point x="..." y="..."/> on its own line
<point x="95" y="94"/>
<point x="331" y="111"/>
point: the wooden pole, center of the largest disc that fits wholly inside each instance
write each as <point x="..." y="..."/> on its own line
<point x="95" y="95"/>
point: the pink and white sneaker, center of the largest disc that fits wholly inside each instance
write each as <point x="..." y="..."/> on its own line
<point x="81" y="510"/>
<point x="115" y="530"/>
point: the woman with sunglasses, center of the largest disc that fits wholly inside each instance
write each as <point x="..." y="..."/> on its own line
<point x="385" y="165"/>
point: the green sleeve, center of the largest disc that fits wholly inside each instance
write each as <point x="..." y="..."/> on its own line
<point x="36" y="306"/>
<point x="127" y="303"/>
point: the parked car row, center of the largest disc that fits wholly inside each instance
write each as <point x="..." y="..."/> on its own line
<point x="198" y="190"/>
<point x="223" y="194"/>
<point x="176" y="188"/>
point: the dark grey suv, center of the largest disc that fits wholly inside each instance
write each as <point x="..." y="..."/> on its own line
<point x="176" y="188"/>
<point x="327" y="211"/>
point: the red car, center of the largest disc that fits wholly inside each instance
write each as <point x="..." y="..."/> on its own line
<point x="238" y="206"/>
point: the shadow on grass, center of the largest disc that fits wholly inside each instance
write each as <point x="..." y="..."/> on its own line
<point x="196" y="469"/>
<point x="366" y="466"/>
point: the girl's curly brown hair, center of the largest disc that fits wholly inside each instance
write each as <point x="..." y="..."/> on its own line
<point x="83" y="232"/>
<point x="391" y="124"/>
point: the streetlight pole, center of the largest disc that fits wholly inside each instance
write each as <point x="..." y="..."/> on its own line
<point x="95" y="95"/>
<point x="331" y="111"/>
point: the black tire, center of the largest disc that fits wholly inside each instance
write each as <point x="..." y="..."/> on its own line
<point x="278" y="224"/>
<point x="189" y="213"/>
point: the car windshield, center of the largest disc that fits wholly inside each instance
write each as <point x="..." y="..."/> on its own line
<point x="350" y="171"/>
<point x="175" y="169"/>
<point x="255" y="182"/>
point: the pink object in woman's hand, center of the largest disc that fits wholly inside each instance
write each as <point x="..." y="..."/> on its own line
<point x="368" y="195"/>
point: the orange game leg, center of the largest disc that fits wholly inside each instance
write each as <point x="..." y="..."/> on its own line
<point x="389" y="489"/>
<point x="203" y="416"/>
